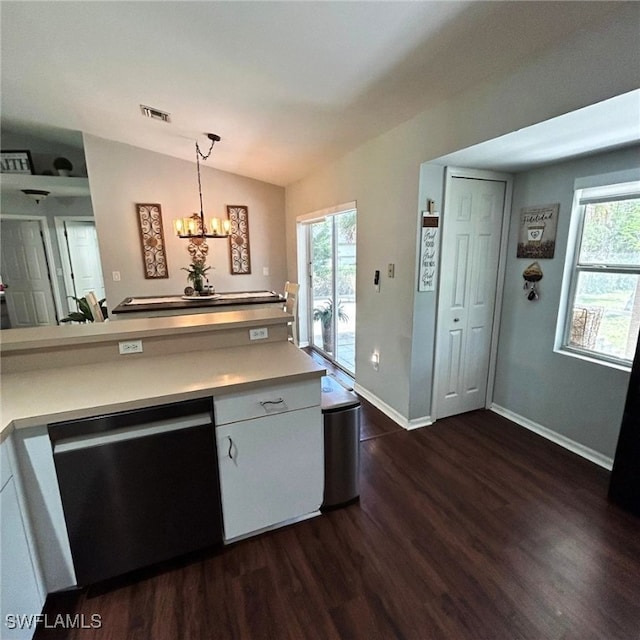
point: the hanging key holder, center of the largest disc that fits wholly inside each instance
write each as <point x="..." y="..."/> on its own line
<point x="532" y="275"/>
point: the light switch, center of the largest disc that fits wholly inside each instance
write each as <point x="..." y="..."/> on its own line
<point x="116" y="276"/>
<point x="391" y="270"/>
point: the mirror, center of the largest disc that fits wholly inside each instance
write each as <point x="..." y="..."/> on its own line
<point x="49" y="255"/>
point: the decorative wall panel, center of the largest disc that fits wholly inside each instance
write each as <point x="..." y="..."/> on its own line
<point x="240" y="254"/>
<point x="152" y="240"/>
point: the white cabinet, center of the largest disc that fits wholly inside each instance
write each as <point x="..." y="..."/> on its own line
<point x="38" y="487"/>
<point x="19" y="593"/>
<point x="271" y="467"/>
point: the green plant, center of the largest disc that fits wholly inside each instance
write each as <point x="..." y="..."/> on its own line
<point x="83" y="313"/>
<point x="196" y="273"/>
<point x="324" y="315"/>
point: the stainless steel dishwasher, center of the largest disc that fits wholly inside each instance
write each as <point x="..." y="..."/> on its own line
<point x="138" y="487"/>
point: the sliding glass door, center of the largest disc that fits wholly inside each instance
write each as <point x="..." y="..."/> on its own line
<point x="332" y="299"/>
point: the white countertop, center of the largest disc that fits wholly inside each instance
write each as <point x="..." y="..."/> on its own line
<point x="126" y="329"/>
<point x="50" y="395"/>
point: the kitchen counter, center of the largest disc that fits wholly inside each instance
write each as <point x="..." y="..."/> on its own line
<point x="133" y="328"/>
<point x="178" y="305"/>
<point x="35" y="398"/>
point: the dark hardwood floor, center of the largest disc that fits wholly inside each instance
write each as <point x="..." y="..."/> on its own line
<point x="471" y="528"/>
<point x="374" y="423"/>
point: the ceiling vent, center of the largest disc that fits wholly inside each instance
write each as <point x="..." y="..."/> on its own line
<point x="155" y="114"/>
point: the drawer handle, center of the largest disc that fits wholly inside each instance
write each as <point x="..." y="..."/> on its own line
<point x="230" y="448"/>
<point x="264" y="403"/>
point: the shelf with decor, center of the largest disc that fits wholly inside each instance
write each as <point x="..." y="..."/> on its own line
<point x="54" y="185"/>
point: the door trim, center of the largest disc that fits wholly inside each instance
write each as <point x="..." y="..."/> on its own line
<point x="48" y="250"/>
<point x="479" y="174"/>
<point x="304" y="226"/>
<point x="58" y="222"/>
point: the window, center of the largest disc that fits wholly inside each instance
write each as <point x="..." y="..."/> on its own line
<point x="603" y="314"/>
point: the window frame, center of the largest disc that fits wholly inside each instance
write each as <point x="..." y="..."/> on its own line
<point x="573" y="268"/>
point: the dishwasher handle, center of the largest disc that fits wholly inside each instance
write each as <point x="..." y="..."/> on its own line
<point x="134" y="418"/>
<point x="86" y="441"/>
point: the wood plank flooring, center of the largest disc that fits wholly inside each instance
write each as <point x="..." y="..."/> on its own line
<point x="473" y="528"/>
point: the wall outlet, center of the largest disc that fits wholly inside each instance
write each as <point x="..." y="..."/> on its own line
<point x="265" y="271"/>
<point x="132" y="346"/>
<point x="391" y="270"/>
<point x="116" y="276"/>
<point x="258" y="334"/>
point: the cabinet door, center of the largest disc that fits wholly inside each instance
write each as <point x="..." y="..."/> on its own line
<point x="271" y="470"/>
<point x="19" y="590"/>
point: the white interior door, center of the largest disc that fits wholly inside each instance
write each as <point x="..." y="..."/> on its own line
<point x="25" y="272"/>
<point x="471" y="243"/>
<point x="81" y="259"/>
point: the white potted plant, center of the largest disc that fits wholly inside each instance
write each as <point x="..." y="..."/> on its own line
<point x="62" y="166"/>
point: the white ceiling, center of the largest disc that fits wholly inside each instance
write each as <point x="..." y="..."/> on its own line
<point x="287" y="85"/>
<point x="602" y="126"/>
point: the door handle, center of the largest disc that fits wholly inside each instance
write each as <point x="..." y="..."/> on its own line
<point x="230" y="448"/>
<point x="456" y="319"/>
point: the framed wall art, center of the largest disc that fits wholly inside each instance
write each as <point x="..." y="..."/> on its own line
<point x="538" y="227"/>
<point x="16" y="162"/>
<point x="152" y="240"/>
<point x="239" y="239"/>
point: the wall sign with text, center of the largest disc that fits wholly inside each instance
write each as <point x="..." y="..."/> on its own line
<point x="16" y="162"/>
<point x="538" y="226"/>
<point x="429" y="245"/>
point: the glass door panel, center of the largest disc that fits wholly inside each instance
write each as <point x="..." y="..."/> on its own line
<point x="345" y="270"/>
<point x="332" y="264"/>
<point x="321" y="258"/>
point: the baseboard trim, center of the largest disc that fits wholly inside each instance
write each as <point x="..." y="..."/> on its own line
<point x="414" y="423"/>
<point x="573" y="446"/>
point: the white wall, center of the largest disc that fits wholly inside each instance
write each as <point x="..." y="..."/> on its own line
<point x="383" y="177"/>
<point x="581" y="400"/>
<point x="121" y="176"/>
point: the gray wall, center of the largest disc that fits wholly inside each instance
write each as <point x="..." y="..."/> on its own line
<point x="45" y="151"/>
<point x="578" y="399"/>
<point x="383" y="176"/>
<point x="425" y="305"/>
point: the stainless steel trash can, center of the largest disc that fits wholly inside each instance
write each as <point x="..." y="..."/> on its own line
<point x="341" y="416"/>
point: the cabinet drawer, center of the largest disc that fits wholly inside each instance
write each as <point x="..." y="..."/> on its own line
<point x="268" y="400"/>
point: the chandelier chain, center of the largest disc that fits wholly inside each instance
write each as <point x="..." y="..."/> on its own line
<point x="199" y="155"/>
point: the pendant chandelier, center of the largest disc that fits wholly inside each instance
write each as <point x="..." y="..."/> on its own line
<point x="194" y="226"/>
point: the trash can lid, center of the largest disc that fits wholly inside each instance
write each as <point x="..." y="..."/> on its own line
<point x="335" y="396"/>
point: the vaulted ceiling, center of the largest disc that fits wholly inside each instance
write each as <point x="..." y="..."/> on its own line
<point x="287" y="85"/>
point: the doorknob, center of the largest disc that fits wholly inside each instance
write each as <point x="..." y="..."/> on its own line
<point x="456" y="319"/>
